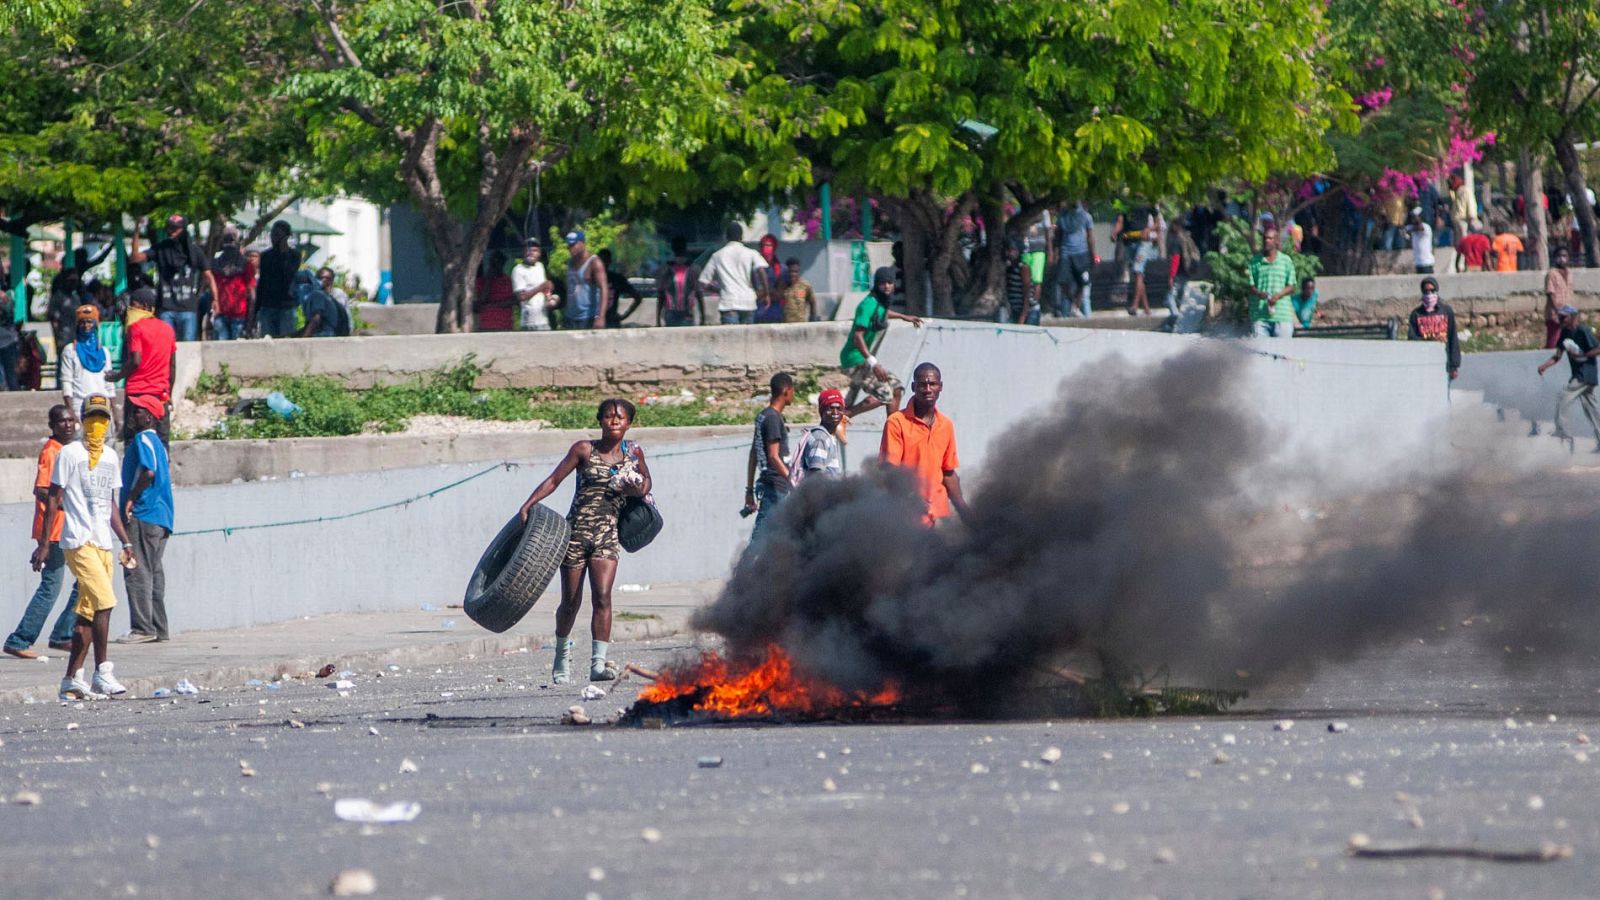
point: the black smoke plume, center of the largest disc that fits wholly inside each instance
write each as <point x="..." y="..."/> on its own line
<point x="1141" y="523"/>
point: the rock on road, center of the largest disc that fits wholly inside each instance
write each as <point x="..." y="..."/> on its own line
<point x="232" y="793"/>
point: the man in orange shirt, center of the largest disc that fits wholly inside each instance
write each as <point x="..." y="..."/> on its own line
<point x="922" y="439"/>
<point x="63" y="428"/>
<point x="1506" y="248"/>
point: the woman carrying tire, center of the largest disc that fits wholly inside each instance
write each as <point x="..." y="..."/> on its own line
<point x="610" y="470"/>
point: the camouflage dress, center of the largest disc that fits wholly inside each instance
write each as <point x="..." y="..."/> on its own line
<point x="595" y="507"/>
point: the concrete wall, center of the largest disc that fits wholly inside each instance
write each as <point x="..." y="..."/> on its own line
<point x="379" y="319"/>
<point x="1371" y="402"/>
<point x="1511" y="380"/>
<point x="626" y="357"/>
<point x="398" y="558"/>
<point x="1479" y="298"/>
<point x="223" y="462"/>
<point x="1379" y="400"/>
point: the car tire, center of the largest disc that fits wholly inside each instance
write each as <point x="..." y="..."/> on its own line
<point x="516" y="568"/>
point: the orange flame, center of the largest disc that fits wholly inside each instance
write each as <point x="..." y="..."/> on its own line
<point x="769" y="687"/>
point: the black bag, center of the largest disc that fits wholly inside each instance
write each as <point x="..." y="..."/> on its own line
<point x="341" y="326"/>
<point x="638" y="523"/>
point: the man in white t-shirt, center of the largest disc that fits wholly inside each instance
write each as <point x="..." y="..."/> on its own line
<point x="533" y="289"/>
<point x="732" y="271"/>
<point x="83" y="486"/>
<point x="1421" y="242"/>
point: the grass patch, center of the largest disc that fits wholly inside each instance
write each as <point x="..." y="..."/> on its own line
<point x="625" y="616"/>
<point x="329" y="409"/>
<point x="1487" y="341"/>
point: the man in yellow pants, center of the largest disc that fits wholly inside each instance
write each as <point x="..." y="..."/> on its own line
<point x="83" y="486"/>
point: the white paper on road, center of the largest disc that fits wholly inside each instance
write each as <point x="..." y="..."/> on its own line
<point x="367" y="812"/>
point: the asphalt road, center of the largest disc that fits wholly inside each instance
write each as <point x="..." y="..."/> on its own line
<point x="149" y="797"/>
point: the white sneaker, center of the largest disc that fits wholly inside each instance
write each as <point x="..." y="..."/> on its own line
<point x="105" y="682"/>
<point x="74" y="689"/>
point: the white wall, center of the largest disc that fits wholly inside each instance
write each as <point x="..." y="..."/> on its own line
<point x="1378" y="400"/>
<point x="1372" y="403"/>
<point x="359" y="249"/>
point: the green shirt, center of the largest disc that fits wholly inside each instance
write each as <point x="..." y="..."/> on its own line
<point x="1272" y="277"/>
<point x="872" y="317"/>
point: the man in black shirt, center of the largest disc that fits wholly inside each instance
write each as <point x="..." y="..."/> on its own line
<point x="1435" y="321"/>
<point x="275" y="301"/>
<point x="769" y="455"/>
<point x="182" y="273"/>
<point x="1578" y="344"/>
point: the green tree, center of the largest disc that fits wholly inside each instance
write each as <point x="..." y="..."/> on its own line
<point x="1533" y="73"/>
<point x="1528" y="70"/>
<point x="169" y="110"/>
<point x="950" y="108"/>
<point x="456" y="106"/>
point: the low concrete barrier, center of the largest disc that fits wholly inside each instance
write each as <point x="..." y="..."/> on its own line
<point x="222" y="462"/>
<point x="1479" y="298"/>
<point x="736" y="358"/>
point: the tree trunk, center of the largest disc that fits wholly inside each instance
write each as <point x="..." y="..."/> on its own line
<point x="1532" y="171"/>
<point x="914" y="255"/>
<point x="1572" y="169"/>
<point x="987" y="266"/>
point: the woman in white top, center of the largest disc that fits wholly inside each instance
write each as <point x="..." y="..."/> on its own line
<point x="84" y="364"/>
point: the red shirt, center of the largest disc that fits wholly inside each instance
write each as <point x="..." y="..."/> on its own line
<point x="496" y="300"/>
<point x="1474" y="248"/>
<point x="233" y="293"/>
<point x="155" y="343"/>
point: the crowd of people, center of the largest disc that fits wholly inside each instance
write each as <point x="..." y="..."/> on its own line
<point x="747" y="285"/>
<point x="94" y="510"/>
<point x="232" y="294"/>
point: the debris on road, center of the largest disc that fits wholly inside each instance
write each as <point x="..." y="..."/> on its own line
<point x="1360" y="846"/>
<point x="341" y="685"/>
<point x="245" y="771"/>
<point x="186" y="687"/>
<point x="327" y="670"/>
<point x="650" y="836"/>
<point x="1338" y="727"/>
<point x="575" y="715"/>
<point x="367" y="812"/>
<point x="1283" y="725"/>
<point x="1050" y="756"/>
<point x="709" y="762"/>
<point x="407" y="767"/>
<point x="353" y="883"/>
<point x="296" y="723"/>
<point x="593" y="692"/>
<point x="26" y="798"/>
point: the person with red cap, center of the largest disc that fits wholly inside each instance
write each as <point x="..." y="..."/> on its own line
<point x="148" y="354"/>
<point x="821" y="450"/>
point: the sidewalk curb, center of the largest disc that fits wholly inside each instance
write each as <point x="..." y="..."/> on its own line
<point x="234" y="676"/>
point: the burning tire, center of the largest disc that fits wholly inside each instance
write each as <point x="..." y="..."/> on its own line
<point x="516" y="569"/>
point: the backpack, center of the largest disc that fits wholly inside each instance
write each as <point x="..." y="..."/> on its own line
<point x="341" y="324"/>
